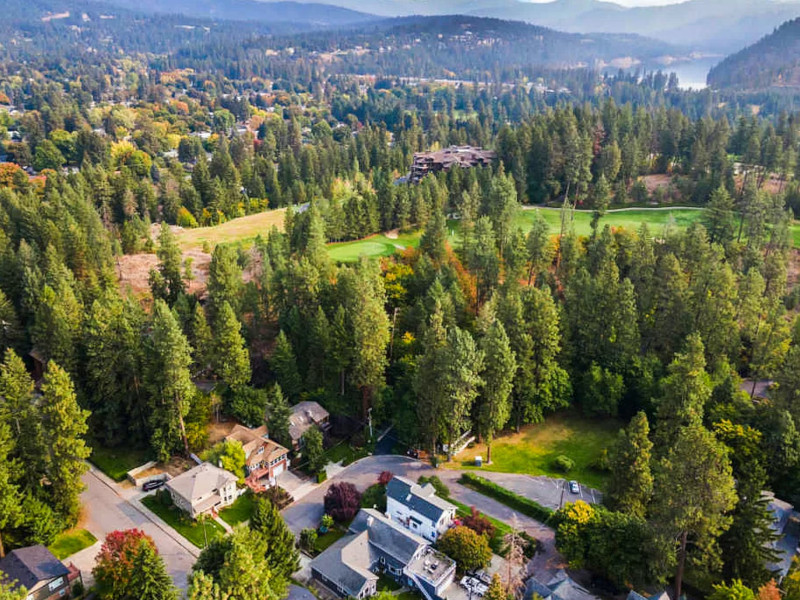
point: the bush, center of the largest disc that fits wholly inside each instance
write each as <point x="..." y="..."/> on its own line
<point x="322" y="476"/>
<point x="478" y="523"/>
<point x="563" y="463"/>
<point x="77" y="590"/>
<point x="308" y="538"/>
<point x="384" y="478"/>
<point x="327" y="521"/>
<point x="519" y="503"/>
<point x="441" y="489"/>
<point x="342" y="501"/>
<point x="470" y="550"/>
<point x="374" y="496"/>
<point x="278" y="496"/>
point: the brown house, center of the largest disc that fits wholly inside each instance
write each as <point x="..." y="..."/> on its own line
<point x="305" y="415"/>
<point x="443" y="160"/>
<point x="39" y="572"/>
<point x="264" y="458"/>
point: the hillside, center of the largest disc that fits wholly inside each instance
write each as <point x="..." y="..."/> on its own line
<point x="774" y="61"/>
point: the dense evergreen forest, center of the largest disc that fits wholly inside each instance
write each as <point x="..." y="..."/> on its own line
<point x="485" y="326"/>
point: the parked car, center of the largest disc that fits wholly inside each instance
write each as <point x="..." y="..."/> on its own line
<point x="153" y="484"/>
<point x="574" y="487"/>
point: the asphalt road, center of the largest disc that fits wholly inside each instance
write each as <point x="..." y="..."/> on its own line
<point x="107" y="511"/>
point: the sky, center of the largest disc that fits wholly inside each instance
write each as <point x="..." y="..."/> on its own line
<point x="634" y="2"/>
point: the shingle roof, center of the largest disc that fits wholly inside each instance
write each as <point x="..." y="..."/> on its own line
<point x="304" y="415"/>
<point x="200" y="481"/>
<point x="388" y="536"/>
<point x="347" y="562"/>
<point x="28" y="566"/>
<point x="420" y="499"/>
<point x="252" y="439"/>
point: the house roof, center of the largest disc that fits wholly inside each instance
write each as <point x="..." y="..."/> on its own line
<point x="252" y="439"/>
<point x="346" y="562"/>
<point x="304" y="415"/>
<point x="200" y="481"/>
<point x="560" y="587"/>
<point x="386" y="535"/>
<point x="31" y="565"/>
<point x="637" y="596"/>
<point x="422" y="499"/>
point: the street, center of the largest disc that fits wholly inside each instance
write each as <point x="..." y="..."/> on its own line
<point x="107" y="511"/>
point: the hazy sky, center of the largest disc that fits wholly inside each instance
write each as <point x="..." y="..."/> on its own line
<point x="634" y="2"/>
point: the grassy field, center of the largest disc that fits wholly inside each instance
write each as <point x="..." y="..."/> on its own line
<point x="240" y="511"/>
<point x="245" y="229"/>
<point x="242" y="230"/>
<point x="534" y="449"/>
<point x="71" y="541"/>
<point x="188" y="528"/>
<point x="326" y="540"/>
<point x="116" y="462"/>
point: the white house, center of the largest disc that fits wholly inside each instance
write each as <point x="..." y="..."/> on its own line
<point x="202" y="489"/>
<point x="418" y="509"/>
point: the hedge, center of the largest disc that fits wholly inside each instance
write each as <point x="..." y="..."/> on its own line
<point x="526" y="506"/>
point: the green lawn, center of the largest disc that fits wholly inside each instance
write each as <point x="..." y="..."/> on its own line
<point x="71" y="541"/>
<point x="116" y="462"/>
<point x="345" y="453"/>
<point x="326" y="540"/>
<point x="533" y="450"/>
<point x="188" y="528"/>
<point x="240" y="511"/>
<point x="375" y="246"/>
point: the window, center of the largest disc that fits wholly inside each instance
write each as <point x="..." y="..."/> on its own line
<point x="55" y="584"/>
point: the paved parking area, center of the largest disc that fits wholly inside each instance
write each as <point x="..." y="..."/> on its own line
<point x="549" y="492"/>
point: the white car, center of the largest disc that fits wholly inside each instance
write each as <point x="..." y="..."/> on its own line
<point x="574" y="487"/>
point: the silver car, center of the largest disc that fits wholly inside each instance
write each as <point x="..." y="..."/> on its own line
<point x="574" y="487"/>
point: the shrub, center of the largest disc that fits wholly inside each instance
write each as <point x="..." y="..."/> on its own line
<point x="563" y="463"/>
<point x="469" y="550"/>
<point x="77" y="590"/>
<point x="327" y="521"/>
<point x="478" y="523"/>
<point x="519" y="503"/>
<point x="384" y="478"/>
<point x="441" y="489"/>
<point x="278" y="496"/>
<point x="342" y="501"/>
<point x="374" y="496"/>
<point x="308" y="538"/>
<point x="322" y="476"/>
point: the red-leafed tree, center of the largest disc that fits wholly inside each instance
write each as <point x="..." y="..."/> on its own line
<point x="385" y="477"/>
<point x="128" y="567"/>
<point x="478" y="523"/>
<point x="342" y="501"/>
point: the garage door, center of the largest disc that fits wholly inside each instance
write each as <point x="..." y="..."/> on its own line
<point x="278" y="469"/>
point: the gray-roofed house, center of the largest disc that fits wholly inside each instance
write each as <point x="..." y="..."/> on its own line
<point x="376" y="544"/>
<point x="203" y="489"/>
<point x="418" y="508"/>
<point x="560" y="587"/>
<point x="786" y="525"/>
<point x="38" y="571"/>
<point x="305" y="415"/>
<point x="637" y="596"/>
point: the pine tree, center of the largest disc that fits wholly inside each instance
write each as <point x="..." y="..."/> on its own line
<point x="128" y="567"/>
<point x="631" y="484"/>
<point x="282" y="556"/>
<point x="278" y="415"/>
<point x="10" y="329"/>
<point x="500" y="365"/>
<point x="224" y="280"/>
<point x="10" y="509"/>
<point x="284" y="364"/>
<point x="245" y="575"/>
<point x="149" y="579"/>
<point x="202" y="340"/>
<point x="230" y="359"/>
<point x="168" y="357"/>
<point x="168" y="284"/>
<point x="63" y="427"/>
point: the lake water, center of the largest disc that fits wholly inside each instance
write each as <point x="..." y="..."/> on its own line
<point x="693" y="75"/>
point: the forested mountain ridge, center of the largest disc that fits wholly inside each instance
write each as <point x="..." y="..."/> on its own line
<point x="311" y="14"/>
<point x="773" y="61"/>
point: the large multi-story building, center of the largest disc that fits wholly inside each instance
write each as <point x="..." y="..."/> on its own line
<point x="443" y="160"/>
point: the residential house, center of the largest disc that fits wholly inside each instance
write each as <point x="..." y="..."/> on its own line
<point x="376" y="544"/>
<point x="205" y="488"/>
<point x="418" y="509"/>
<point x="443" y="160"/>
<point x="305" y="415"/>
<point x="560" y="587"/>
<point x="786" y="525"/>
<point x="636" y="596"/>
<point x="39" y="572"/>
<point x="264" y="458"/>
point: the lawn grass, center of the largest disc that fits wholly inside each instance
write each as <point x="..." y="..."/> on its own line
<point x="374" y="246"/>
<point x="534" y="449"/>
<point x="240" y="511"/>
<point x="71" y="541"/>
<point x="326" y="540"/>
<point x="116" y="462"/>
<point x="346" y="453"/>
<point x="188" y="528"/>
<point x="242" y="230"/>
<point x="387" y="584"/>
<point x="408" y="595"/>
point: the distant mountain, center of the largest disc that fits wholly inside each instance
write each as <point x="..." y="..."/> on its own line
<point x="282" y="11"/>
<point x="773" y="61"/>
<point x="718" y="26"/>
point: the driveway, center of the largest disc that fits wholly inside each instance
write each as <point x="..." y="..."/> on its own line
<point x="308" y="511"/>
<point x="547" y="491"/>
<point x="106" y="511"/>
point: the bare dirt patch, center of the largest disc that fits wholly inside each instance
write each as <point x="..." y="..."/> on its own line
<point x="654" y="182"/>
<point x="133" y="271"/>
